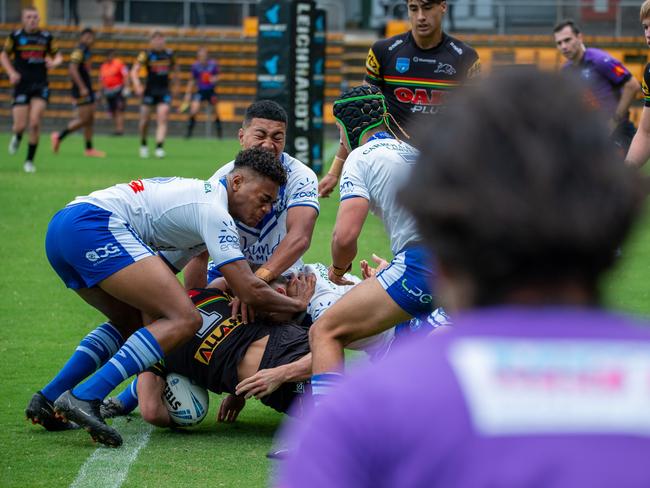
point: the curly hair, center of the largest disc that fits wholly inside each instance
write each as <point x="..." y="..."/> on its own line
<point x="522" y="186"/>
<point x="359" y="110"/>
<point x="262" y="162"/>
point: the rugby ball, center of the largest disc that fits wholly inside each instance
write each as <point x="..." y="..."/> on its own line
<point x="186" y="401"/>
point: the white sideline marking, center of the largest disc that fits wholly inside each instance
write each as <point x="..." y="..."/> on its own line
<point x="108" y="467"/>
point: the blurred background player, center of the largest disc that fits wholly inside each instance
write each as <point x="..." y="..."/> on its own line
<point x="612" y="87"/>
<point x="523" y="205"/>
<point x="83" y="95"/>
<point x="114" y="80"/>
<point x="204" y="76"/>
<point x="639" y="152"/>
<point x="160" y="65"/>
<point x="415" y="71"/>
<point x="34" y="52"/>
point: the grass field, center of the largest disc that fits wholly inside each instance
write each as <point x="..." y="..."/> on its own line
<point x="41" y="323"/>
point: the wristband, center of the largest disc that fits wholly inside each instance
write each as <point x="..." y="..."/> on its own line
<point x="264" y="274"/>
<point x="337" y="167"/>
<point x="341" y="271"/>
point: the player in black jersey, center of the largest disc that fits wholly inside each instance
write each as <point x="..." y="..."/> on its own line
<point x="160" y="64"/>
<point x="415" y="71"/>
<point x="222" y="354"/>
<point x="34" y="52"/>
<point x="639" y="151"/>
<point x="83" y="96"/>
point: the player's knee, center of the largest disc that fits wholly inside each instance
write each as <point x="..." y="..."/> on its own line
<point x="34" y="126"/>
<point x="190" y="323"/>
<point x="152" y="413"/>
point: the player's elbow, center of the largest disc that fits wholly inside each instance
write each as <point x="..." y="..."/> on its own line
<point x="344" y="238"/>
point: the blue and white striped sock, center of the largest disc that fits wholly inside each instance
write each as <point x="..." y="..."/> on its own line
<point x="91" y="353"/>
<point x="140" y="351"/>
<point x="322" y="384"/>
<point x="129" y="397"/>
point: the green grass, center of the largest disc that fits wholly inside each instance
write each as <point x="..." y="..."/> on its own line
<point x="41" y="322"/>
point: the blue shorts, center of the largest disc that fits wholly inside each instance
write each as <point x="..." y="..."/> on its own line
<point x="86" y="244"/>
<point x="408" y="280"/>
<point x="213" y="272"/>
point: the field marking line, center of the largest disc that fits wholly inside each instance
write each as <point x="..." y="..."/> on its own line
<point x="108" y="467"/>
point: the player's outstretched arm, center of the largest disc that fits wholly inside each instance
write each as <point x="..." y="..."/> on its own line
<point x="150" y="389"/>
<point x="639" y="151"/>
<point x="300" y="227"/>
<point x="266" y="381"/>
<point x="349" y="222"/>
<point x="258" y="294"/>
<point x="330" y="180"/>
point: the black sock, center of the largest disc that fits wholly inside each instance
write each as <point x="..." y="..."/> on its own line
<point x="63" y="133"/>
<point x="31" y="152"/>
<point x="89" y="144"/>
<point x="159" y="145"/>
<point x="19" y="136"/>
<point x="217" y="123"/>
<point x="143" y="141"/>
<point x="190" y="125"/>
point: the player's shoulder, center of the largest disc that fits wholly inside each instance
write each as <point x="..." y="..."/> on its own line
<point x="391" y="43"/>
<point x="16" y="33"/>
<point x="296" y="168"/>
<point x="46" y="34"/>
<point x="458" y="48"/>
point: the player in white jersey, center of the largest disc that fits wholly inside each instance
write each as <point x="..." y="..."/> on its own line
<point x="376" y="167"/>
<point x="103" y="246"/>
<point x="282" y="237"/>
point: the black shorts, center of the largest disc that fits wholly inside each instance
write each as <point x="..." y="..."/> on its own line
<point x="205" y="96"/>
<point x="79" y="100"/>
<point x="25" y="91"/>
<point x="115" y="102"/>
<point x="154" y="97"/>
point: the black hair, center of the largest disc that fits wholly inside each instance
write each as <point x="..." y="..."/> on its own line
<point x="86" y="30"/>
<point x="567" y="23"/>
<point x="265" y="109"/>
<point x="359" y="110"/>
<point x="263" y="162"/>
<point x="428" y="2"/>
<point x="522" y="186"/>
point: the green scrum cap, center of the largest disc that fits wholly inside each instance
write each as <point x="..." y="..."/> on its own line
<point x="358" y="110"/>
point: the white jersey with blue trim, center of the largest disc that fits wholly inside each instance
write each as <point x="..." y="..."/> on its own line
<point x="179" y="216"/>
<point x="328" y="293"/>
<point x="259" y="243"/>
<point x="376" y="171"/>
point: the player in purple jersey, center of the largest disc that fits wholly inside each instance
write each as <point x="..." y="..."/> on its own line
<point x="536" y="386"/>
<point x="639" y="152"/>
<point x="201" y="88"/>
<point x="612" y="88"/>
